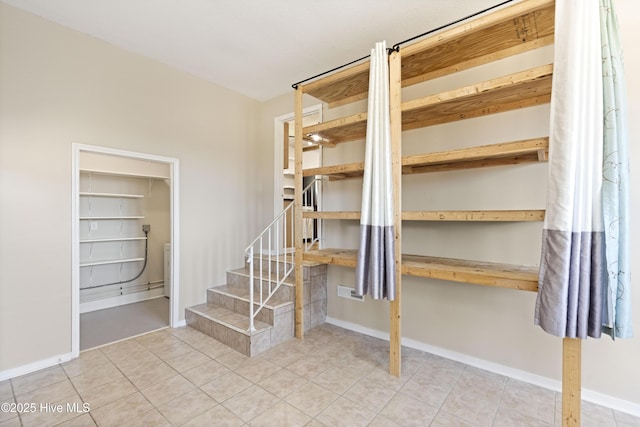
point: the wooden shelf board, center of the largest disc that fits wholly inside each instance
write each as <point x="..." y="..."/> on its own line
<point x="529" y="150"/>
<point x="515" y="29"/>
<point x="512" y="30"/>
<point x="519" y="90"/>
<point x="476" y="272"/>
<point x="459" y="215"/>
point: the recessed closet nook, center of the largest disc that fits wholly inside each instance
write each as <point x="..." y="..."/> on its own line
<point x="469" y="109"/>
<point x="124" y="231"/>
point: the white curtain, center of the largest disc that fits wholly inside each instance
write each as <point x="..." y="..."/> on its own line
<point x="576" y="273"/>
<point x="375" y="269"/>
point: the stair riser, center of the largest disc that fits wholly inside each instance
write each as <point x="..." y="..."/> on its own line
<point x="248" y="344"/>
<point x="241" y="281"/>
<point x="236" y="305"/>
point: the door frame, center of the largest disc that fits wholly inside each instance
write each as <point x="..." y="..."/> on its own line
<point x="174" y="208"/>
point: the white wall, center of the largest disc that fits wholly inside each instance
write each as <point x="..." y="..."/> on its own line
<point x="58" y="87"/>
<point x="495" y="325"/>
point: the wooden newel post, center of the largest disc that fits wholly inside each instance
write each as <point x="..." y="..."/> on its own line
<point x="571" y="382"/>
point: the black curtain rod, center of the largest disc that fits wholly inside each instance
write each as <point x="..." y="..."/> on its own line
<point x="396" y="47"/>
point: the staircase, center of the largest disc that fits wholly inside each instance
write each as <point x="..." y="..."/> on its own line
<point x="225" y="315"/>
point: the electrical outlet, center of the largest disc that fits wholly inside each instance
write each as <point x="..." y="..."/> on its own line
<point x="146" y="228"/>
<point x="93" y="225"/>
<point x="349" y="293"/>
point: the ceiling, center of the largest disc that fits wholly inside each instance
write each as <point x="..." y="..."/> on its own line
<point x="255" y="47"/>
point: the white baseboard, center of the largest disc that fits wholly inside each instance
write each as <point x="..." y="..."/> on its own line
<point x="35" y="366"/>
<point x="101" y="304"/>
<point x="180" y="323"/>
<point x="518" y="374"/>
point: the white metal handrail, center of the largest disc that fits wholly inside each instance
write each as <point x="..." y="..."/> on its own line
<point x="275" y="253"/>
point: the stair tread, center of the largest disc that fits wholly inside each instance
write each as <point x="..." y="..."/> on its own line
<point x="236" y="320"/>
<point x="243" y="294"/>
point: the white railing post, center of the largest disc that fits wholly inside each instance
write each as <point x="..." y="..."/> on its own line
<point x="250" y="252"/>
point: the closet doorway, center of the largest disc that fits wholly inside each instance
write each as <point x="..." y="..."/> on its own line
<point x="124" y="227"/>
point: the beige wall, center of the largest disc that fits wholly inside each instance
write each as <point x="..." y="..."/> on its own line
<point x="58" y="87"/>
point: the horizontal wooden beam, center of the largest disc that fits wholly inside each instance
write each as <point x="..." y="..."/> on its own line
<point x="488" y="215"/>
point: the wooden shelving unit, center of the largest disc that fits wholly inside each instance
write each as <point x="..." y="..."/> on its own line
<point x="518" y="28"/>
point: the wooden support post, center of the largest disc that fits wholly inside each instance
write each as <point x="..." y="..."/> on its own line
<point x="571" y="383"/>
<point x="298" y="234"/>
<point x="395" y="113"/>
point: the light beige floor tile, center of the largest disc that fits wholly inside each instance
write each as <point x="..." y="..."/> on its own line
<point x="155" y="338"/>
<point x="100" y="374"/>
<point x="148" y="375"/>
<point x="309" y="366"/>
<point x="344" y="412"/>
<point x="55" y="412"/>
<point x="186" y="361"/>
<point x="182" y="332"/>
<point x="5" y="390"/>
<point x="217" y="416"/>
<point x="626" y="420"/>
<point x="186" y="407"/>
<point x="250" y="402"/>
<point x="205" y="373"/>
<point x="311" y="399"/>
<point x="13" y="422"/>
<point x="87" y="361"/>
<point x="83" y="420"/>
<point x="199" y="341"/>
<point x="528" y="400"/>
<point x="171" y="350"/>
<point x="122" y="411"/>
<point x="382" y="421"/>
<point x="281" y="355"/>
<point x="370" y="394"/>
<point x="506" y="418"/>
<point x="444" y="419"/>
<point x="337" y="380"/>
<point x="381" y="376"/>
<point x="49" y="393"/>
<point x="35" y="380"/>
<point x="167" y="390"/>
<point x="216" y="349"/>
<point x="233" y="360"/>
<point x="108" y="392"/>
<point x="137" y="360"/>
<point x="226" y="386"/>
<point x="407" y="411"/>
<point x="9" y="412"/>
<point x="430" y="392"/>
<point x="152" y="418"/>
<point x="281" y="414"/>
<point x="282" y="383"/>
<point x="255" y="370"/>
<point x="121" y="350"/>
<point x="471" y="406"/>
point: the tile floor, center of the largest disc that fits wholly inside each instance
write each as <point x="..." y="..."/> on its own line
<point x="334" y="377"/>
